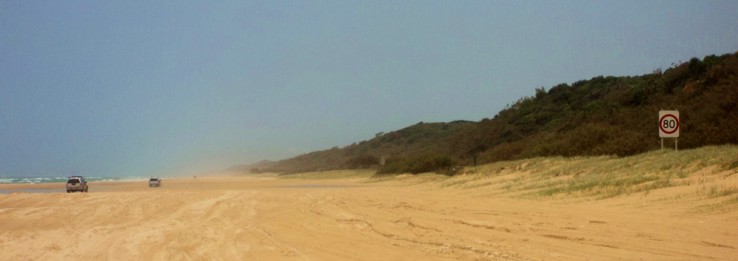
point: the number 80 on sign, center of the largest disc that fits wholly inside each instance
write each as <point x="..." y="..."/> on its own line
<point x="669" y="124"/>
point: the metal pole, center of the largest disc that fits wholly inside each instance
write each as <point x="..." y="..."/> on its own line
<point x="662" y="143"/>
<point x="676" y="144"/>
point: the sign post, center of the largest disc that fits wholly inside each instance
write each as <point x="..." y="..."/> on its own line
<point x="669" y="127"/>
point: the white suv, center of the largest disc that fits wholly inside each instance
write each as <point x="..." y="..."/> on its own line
<point x="76" y="183"/>
<point x="154" y="182"/>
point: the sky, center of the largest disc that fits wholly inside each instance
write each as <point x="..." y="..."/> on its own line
<point x="166" y="88"/>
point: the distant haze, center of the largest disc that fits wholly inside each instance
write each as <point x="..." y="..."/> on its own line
<point x="135" y="88"/>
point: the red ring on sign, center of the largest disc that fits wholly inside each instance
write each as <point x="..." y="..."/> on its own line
<point x="661" y="125"/>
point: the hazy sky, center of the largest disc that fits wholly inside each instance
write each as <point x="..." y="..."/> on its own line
<point x="139" y="88"/>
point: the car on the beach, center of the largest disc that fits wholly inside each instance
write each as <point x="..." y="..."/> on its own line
<point x="154" y="182"/>
<point x="76" y="183"/>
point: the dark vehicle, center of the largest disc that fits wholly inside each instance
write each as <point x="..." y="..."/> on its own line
<point x="76" y="183"/>
<point x="154" y="182"/>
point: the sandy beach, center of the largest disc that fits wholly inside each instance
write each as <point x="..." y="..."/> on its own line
<point x="402" y="218"/>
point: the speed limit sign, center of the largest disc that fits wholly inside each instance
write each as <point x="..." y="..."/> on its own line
<point x="669" y="124"/>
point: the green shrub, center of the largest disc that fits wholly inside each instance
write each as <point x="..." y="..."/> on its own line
<point x="420" y="164"/>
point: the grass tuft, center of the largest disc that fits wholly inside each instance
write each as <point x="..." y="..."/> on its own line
<point x="609" y="176"/>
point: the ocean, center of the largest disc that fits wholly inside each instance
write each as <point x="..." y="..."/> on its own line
<point x="58" y="179"/>
<point x="38" y="180"/>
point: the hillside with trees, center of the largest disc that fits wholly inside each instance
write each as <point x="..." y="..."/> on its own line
<point x="604" y="115"/>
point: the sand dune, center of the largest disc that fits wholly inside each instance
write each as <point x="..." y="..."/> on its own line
<point x="415" y="218"/>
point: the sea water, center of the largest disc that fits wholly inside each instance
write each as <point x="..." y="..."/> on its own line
<point x="38" y="180"/>
<point x="57" y="179"/>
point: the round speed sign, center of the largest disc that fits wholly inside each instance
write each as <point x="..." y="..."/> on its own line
<point x="669" y="124"/>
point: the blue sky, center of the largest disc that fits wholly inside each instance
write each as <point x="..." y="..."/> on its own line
<point x="135" y="88"/>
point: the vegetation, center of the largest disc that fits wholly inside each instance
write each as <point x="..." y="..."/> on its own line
<point x="701" y="173"/>
<point x="420" y="164"/>
<point x="600" y="116"/>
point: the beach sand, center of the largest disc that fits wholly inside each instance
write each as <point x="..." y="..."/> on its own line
<point x="410" y="218"/>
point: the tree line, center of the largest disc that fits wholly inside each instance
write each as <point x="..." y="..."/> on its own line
<point x="605" y="115"/>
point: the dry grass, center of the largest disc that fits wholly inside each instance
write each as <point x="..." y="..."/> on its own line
<point x="710" y="171"/>
<point x="605" y="176"/>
